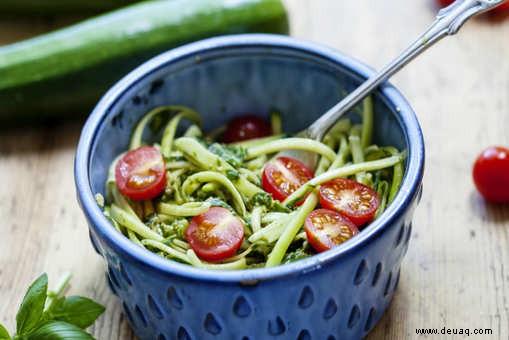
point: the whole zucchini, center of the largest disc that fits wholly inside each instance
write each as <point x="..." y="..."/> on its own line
<point x="62" y="74"/>
<point x="42" y="7"/>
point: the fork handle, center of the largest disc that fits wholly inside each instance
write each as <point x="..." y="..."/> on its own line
<point x="448" y="21"/>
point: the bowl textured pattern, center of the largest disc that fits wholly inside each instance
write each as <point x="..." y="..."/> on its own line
<point x="306" y="306"/>
<point x="340" y="294"/>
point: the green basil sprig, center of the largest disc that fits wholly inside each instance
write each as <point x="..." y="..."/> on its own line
<point x="47" y="315"/>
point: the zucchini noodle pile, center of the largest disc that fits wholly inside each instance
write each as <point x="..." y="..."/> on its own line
<point x="202" y="173"/>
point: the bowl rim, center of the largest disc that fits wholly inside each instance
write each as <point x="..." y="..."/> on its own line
<point x="119" y="243"/>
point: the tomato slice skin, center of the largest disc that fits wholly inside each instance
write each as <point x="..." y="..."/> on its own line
<point x="283" y="175"/>
<point x="491" y="174"/>
<point x="352" y="199"/>
<point x="244" y="128"/>
<point x="216" y="234"/>
<point x="140" y="174"/>
<point x="326" y="229"/>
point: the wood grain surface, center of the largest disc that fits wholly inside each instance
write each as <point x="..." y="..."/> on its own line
<point x="456" y="272"/>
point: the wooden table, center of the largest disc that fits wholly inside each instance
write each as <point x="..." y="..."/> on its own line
<point x="456" y="272"/>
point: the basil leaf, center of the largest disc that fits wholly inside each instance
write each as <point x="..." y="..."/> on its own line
<point x="59" y="330"/>
<point x="31" y="308"/>
<point x="4" y="334"/>
<point x="77" y="310"/>
<point x="46" y="316"/>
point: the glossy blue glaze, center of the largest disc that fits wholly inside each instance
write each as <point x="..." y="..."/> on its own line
<point x="339" y="294"/>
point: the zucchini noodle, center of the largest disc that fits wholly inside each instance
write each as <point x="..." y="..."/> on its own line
<point x="291" y="144"/>
<point x="207" y="176"/>
<point x="186" y="209"/>
<point x="202" y="173"/>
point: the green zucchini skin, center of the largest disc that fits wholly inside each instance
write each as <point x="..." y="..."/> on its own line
<point x="46" y="7"/>
<point x="63" y="74"/>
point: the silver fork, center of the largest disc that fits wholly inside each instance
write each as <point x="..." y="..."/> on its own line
<point x="448" y="21"/>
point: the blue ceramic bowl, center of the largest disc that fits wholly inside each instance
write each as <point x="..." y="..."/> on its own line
<point x="339" y="294"/>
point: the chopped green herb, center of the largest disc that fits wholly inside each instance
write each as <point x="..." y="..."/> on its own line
<point x="233" y="155"/>
<point x="232" y="175"/>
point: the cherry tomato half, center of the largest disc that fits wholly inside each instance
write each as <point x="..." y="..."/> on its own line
<point x="283" y="175"/>
<point x="216" y="234"/>
<point x="325" y="229"/>
<point x="141" y="174"/>
<point x="491" y="174"/>
<point x="354" y="200"/>
<point x="501" y="7"/>
<point x="245" y="127"/>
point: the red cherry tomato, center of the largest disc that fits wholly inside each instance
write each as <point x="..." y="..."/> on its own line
<point x="491" y="174"/>
<point x="141" y="173"/>
<point x="283" y="175"/>
<point x="502" y="7"/>
<point x="352" y="199"/>
<point x="326" y="229"/>
<point x="215" y="235"/>
<point x="246" y="127"/>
